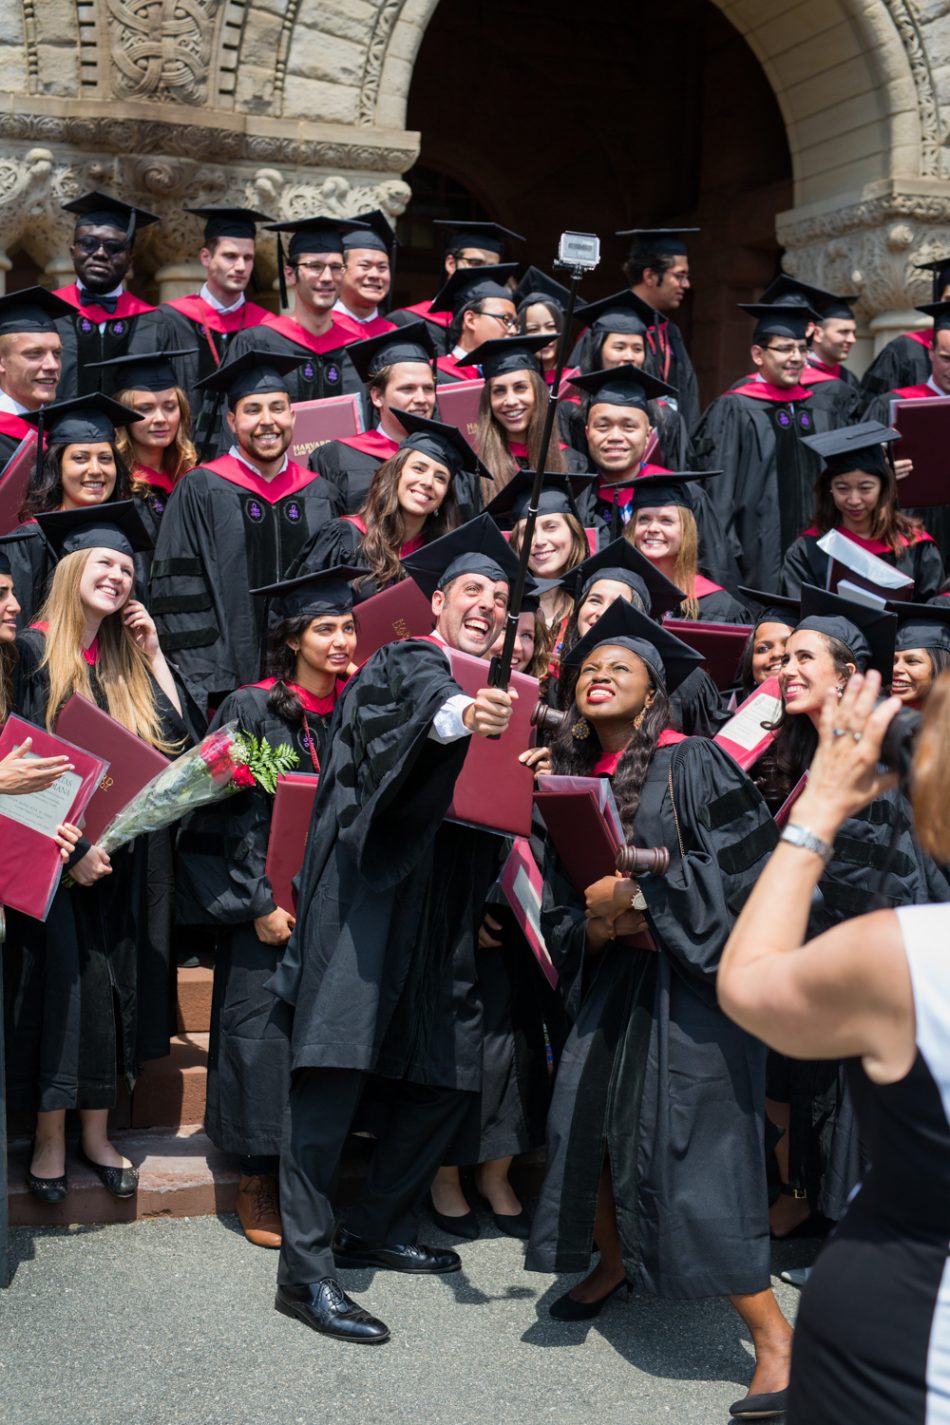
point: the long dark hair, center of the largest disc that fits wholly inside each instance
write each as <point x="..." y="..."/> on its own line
<point x="744" y="671"/>
<point x="281" y="663"/>
<point x="46" y="493"/>
<point x="797" y="741"/>
<point x="575" y="757"/>
<point x="888" y="523"/>
<point x="9" y="657"/>
<point x="386" y="524"/>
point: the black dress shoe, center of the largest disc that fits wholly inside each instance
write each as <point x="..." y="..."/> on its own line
<point x="513" y="1224"/>
<point x="47" y="1189"/>
<point x="121" y="1182"/>
<point x="324" y="1306"/>
<point x="568" y="1308"/>
<point x="760" y="1407"/>
<point x="352" y="1251"/>
<point x="465" y="1226"/>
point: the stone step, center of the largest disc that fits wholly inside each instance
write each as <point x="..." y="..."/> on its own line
<point x="194" y="999"/>
<point x="170" y="1092"/>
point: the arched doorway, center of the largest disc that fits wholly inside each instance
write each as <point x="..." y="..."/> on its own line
<point x="550" y="122"/>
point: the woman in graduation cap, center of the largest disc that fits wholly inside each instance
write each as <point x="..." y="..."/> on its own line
<point x="921" y="651"/>
<point x="223" y="882"/>
<point x="856" y="494"/>
<point x="542" y="306"/>
<point x="875" y="860"/>
<point x="655" y="1135"/>
<point x="663" y="527"/>
<point x="511" y="413"/>
<point x="412" y="500"/>
<point x="81" y="468"/>
<point x="91" y="990"/>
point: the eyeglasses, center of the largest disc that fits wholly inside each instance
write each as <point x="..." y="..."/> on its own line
<point x="795" y="348"/>
<point x="335" y="269"/>
<point x="508" y="322"/>
<point x="110" y="246"/>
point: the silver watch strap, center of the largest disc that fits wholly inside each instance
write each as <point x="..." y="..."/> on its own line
<point x="800" y="836"/>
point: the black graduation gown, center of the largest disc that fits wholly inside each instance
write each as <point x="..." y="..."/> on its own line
<point x="89" y="994"/>
<point x="13" y="430"/>
<point x="717" y="606"/>
<point x="438" y="330"/>
<point x="825" y="1153"/>
<point x="805" y="563"/>
<point x="841" y="400"/>
<point x="32" y="565"/>
<point x="904" y="361"/>
<point x="682" y="377"/>
<point x="223" y="851"/>
<point x="381" y="966"/>
<point x="653" y="1074"/>
<point x="133" y="326"/>
<point x="766" y="494"/>
<point x="224" y="532"/>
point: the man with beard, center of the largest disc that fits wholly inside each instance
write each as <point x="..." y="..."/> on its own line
<point x="234" y="524"/>
<point x="380" y="970"/>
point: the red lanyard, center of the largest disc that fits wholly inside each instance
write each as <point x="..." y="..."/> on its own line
<point x="311" y="745"/>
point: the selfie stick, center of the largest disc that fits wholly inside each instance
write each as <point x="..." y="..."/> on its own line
<point x="581" y="253"/>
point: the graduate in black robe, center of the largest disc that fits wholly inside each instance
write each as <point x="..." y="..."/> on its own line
<point x="835" y="390"/>
<point x="754" y="435"/>
<point x="106" y="321"/>
<point x="234" y="524"/>
<point x="905" y="360"/>
<point x="656" y="1129"/>
<point x="33" y="364"/>
<point x="223" y="882"/>
<point x="380" y="970"/>
<point x="657" y="268"/>
<point x="90" y="992"/>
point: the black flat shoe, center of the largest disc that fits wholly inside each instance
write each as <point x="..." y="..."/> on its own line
<point x="568" y="1308"/>
<point x="325" y="1307"/>
<point x="465" y="1226"/>
<point x="513" y="1224"/>
<point x="352" y="1251"/>
<point x="47" y="1189"/>
<point x="760" y="1407"/>
<point x="121" y="1182"/>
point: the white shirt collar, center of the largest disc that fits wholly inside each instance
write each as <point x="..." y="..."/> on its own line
<point x="11" y="407"/>
<point x="460" y="354"/>
<point x="238" y="454"/>
<point x="934" y="387"/>
<point x="212" y="301"/>
<point x="339" y="306"/>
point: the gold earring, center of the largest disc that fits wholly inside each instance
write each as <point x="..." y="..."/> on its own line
<point x="638" y="720"/>
<point x="581" y="729"/>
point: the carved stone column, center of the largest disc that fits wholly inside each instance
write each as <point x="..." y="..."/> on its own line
<point x="871" y="247"/>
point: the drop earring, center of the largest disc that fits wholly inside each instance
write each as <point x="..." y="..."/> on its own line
<point x="581" y="729"/>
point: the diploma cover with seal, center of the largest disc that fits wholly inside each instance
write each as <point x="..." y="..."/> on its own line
<point x="287" y="842"/>
<point x="493" y="790"/>
<point x="132" y="763"/>
<point x="30" y="864"/>
<point x="401" y="611"/>
<point x="316" y="422"/>
<point x="458" y="403"/>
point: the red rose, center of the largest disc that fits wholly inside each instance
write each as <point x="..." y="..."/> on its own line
<point x="217" y="757"/>
<point x="243" y="776"/>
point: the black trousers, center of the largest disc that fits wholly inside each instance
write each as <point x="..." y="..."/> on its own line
<point x="420" y="1123"/>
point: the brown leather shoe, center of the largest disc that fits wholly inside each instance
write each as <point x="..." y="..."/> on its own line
<point x="257" y="1210"/>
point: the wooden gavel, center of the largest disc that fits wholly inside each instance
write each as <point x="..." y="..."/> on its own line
<point x="643" y="860"/>
<point x="548" y="718"/>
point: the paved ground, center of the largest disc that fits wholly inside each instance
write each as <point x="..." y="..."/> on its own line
<point x="172" y="1323"/>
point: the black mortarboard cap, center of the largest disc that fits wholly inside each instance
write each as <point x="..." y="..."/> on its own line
<point x="940" y="311"/>
<point x="622" y="562"/>
<point x="773" y="608"/>
<point x="15" y="536"/>
<point x="413" y="342"/>
<point x="558" y="496"/>
<point x="941" y="274"/>
<point x="254" y="372"/>
<point x="144" y="370"/>
<point x="442" y="442"/>
<point x="858" y="447"/>
<point x="625" y="385"/>
<point x="102" y="210"/>
<point x="115" y="526"/>
<point x="825" y="304"/>
<point x="230" y="222"/>
<point x="922" y="625"/>
<point x="473" y="548"/>
<point x="31" y="309"/>
<point x="665" y="242"/>
<point x="537" y="286"/>
<point x="508" y="353"/>
<point x="666" y="487"/>
<point x="667" y="656"/>
<point x="789" y="318"/>
<point x="314" y="234"/>
<point x="469" y="285"/>
<point x="325" y="591"/>
<point x="84" y="418"/>
<point x="490" y="237"/>
<point x="375" y="231"/>
<point x="868" y="633"/>
<point x="622" y="312"/>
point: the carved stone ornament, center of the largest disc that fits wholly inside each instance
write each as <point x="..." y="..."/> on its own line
<point x="161" y="49"/>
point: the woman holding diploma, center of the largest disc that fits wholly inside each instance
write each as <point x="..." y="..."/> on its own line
<point x="657" y="1116"/>
<point x="222" y="881"/>
<point x="91" y="989"/>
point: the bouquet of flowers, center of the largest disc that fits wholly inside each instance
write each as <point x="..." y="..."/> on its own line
<point x="224" y="762"/>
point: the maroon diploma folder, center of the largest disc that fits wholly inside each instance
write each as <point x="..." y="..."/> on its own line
<point x="290" y="822"/>
<point x="458" y="406"/>
<point x="925" y="437"/>
<point x="744" y="737"/>
<point x="721" y="645"/>
<point x="583" y="825"/>
<point x="30" y="864"/>
<point x="132" y="763"/>
<point x="316" y="422"/>
<point x="401" y="611"/>
<point x="494" y="789"/>
<point x="14" y="478"/>
<point x="523" y="887"/>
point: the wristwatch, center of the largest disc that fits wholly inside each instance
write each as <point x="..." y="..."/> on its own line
<point x="800" y="836"/>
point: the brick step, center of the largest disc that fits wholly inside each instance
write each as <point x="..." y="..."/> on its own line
<point x="170" y="1092"/>
<point x="194" y="1000"/>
